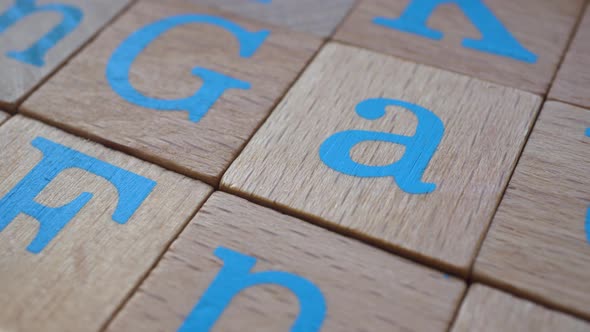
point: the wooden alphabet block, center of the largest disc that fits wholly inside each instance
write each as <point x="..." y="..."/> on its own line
<point x="572" y="83"/>
<point x="316" y="17"/>
<point x="37" y="36"/>
<point x="518" y="43"/>
<point x="238" y="266"/>
<point x="3" y="116"/>
<point x="406" y="155"/>
<point x="488" y="310"/>
<point x="539" y="241"/>
<point x="176" y="84"/>
<point x="80" y="225"/>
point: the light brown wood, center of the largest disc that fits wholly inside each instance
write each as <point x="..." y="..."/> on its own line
<point x="572" y="83"/>
<point x="3" y="116"/>
<point x="204" y="149"/>
<point x="364" y="288"/>
<point x="541" y="26"/>
<point x="488" y="310"/>
<point x="537" y="243"/>
<point x="84" y="274"/>
<point x="316" y="17"/>
<point x="485" y="127"/>
<point x="19" y="78"/>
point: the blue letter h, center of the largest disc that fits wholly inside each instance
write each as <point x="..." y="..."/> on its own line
<point x="235" y="276"/>
<point x="35" y="53"/>
<point x="132" y="188"/>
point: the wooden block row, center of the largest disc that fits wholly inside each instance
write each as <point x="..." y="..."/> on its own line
<point x="408" y="156"/>
<point x="518" y="43"/>
<point x="539" y="241"/>
<point x="572" y="83"/>
<point x="80" y="226"/>
<point x="487" y="310"/>
<point x="179" y="85"/>
<point x="238" y="266"/>
<point x="311" y="16"/>
<point x="37" y="36"/>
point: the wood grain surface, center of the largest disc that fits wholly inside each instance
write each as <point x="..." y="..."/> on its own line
<point x="19" y="78"/>
<point x="3" y="116"/>
<point x="537" y="244"/>
<point x="572" y="83"/>
<point x="311" y="16"/>
<point x="485" y="127"/>
<point x="201" y="149"/>
<point x="78" y="281"/>
<point x="365" y="289"/>
<point x="541" y="26"/>
<point x="488" y="310"/>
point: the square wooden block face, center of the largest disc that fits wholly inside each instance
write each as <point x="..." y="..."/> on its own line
<point x="312" y="16"/>
<point x="423" y="176"/>
<point x="572" y="83"/>
<point x="518" y="43"/>
<point x="539" y="241"/>
<point x="296" y="271"/>
<point x="37" y="36"/>
<point x="150" y="83"/>
<point x="80" y="226"/>
<point x="488" y="310"/>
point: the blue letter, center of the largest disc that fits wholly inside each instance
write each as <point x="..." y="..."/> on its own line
<point x="408" y="171"/>
<point x="214" y="83"/>
<point x="133" y="190"/>
<point x="235" y="276"/>
<point x="35" y="53"/>
<point x="496" y="39"/>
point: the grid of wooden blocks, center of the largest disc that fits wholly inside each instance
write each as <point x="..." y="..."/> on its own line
<point x="294" y="165"/>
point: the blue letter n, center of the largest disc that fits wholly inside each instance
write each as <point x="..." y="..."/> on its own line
<point x="235" y="276"/>
<point x="35" y="53"/>
<point x="496" y="39"/>
<point x="132" y="189"/>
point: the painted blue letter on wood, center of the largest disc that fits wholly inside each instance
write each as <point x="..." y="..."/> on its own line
<point x="407" y="172"/>
<point x="132" y="189"/>
<point x="35" y="53"/>
<point x="214" y="83"/>
<point x="496" y="38"/>
<point x="235" y="276"/>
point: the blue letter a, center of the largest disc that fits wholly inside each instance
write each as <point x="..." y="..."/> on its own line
<point x="235" y="276"/>
<point x="496" y="39"/>
<point x="35" y="53"/>
<point x="132" y="189"/>
<point x="407" y="172"/>
<point x="214" y="83"/>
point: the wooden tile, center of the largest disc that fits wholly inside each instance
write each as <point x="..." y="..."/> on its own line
<point x="37" y="36"/>
<point x="118" y="215"/>
<point x="514" y="43"/>
<point x="316" y="17"/>
<point x="572" y="83"/>
<point x="486" y="309"/>
<point x="129" y="114"/>
<point x="538" y="243"/>
<point x="3" y="116"/>
<point x="353" y="287"/>
<point x="483" y="127"/>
